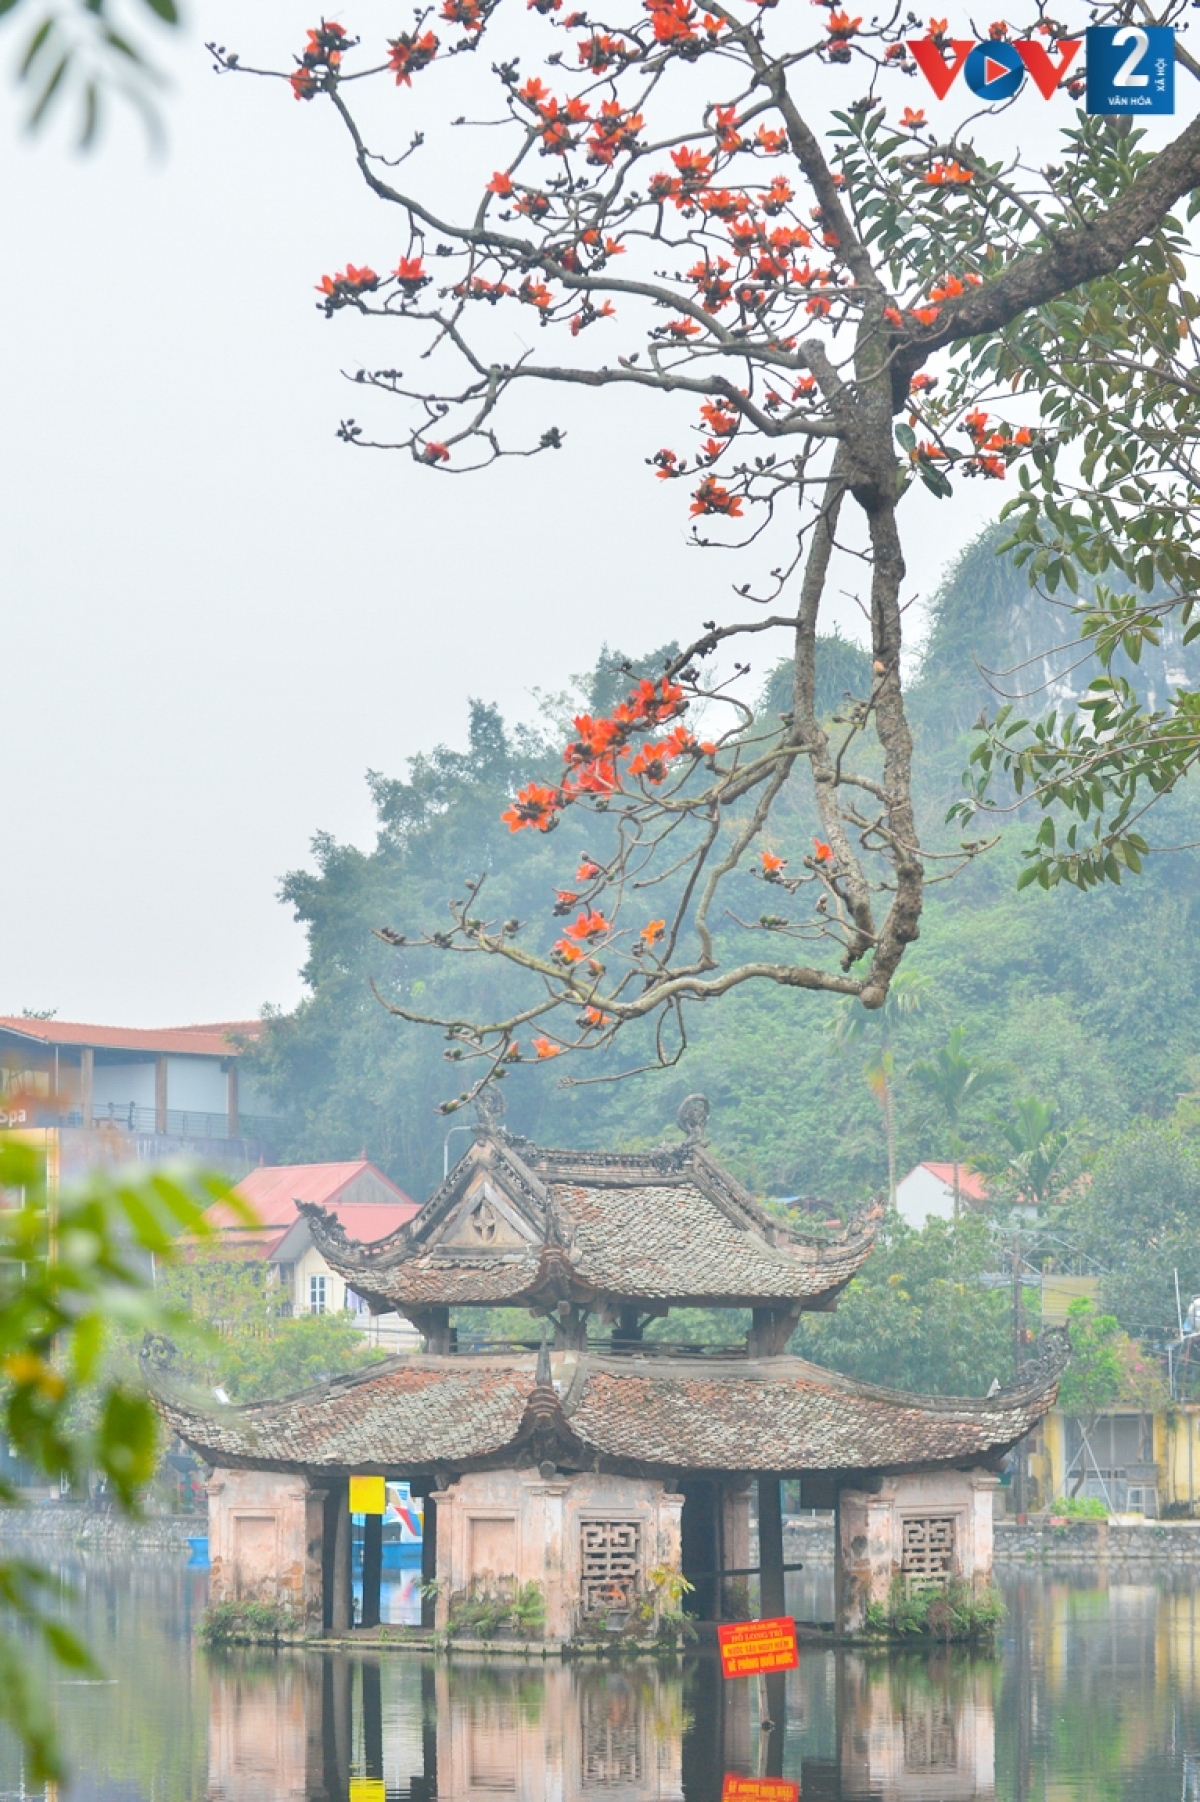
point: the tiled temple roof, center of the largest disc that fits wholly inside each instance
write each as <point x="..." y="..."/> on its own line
<point x="627" y="1414"/>
<point x="514" y="1223"/>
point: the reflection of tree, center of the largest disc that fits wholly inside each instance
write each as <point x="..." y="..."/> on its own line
<point x="1089" y="1699"/>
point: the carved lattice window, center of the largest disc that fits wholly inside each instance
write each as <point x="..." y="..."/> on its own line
<point x="927" y="1556"/>
<point x="930" y="1738"/>
<point x="610" y="1564"/>
<point x="612" y="1750"/>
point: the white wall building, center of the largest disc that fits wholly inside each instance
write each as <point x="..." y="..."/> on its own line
<point x="927" y="1193"/>
<point x="369" y="1206"/>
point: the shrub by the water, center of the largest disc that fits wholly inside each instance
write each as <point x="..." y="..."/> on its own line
<point x="1079" y="1507"/>
<point x="246" y="1624"/>
<point x="483" y="1612"/>
<point x="955" y="1612"/>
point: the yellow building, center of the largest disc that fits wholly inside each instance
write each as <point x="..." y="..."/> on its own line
<point x="1135" y="1463"/>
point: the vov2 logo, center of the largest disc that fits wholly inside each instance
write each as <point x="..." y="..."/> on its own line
<point x="1130" y="68"/>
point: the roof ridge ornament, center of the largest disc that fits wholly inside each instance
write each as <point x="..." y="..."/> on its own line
<point x="490" y="1109"/>
<point x="692" y="1118"/>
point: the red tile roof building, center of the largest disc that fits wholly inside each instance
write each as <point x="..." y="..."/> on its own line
<point x="360" y="1199"/>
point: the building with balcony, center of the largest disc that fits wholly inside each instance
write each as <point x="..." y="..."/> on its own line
<point x="120" y="1094"/>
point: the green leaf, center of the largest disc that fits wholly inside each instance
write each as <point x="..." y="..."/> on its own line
<point x="46" y="98"/>
<point x="35" y="46"/>
<point x="67" y="1649"/>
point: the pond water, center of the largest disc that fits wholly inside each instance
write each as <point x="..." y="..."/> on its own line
<point x="1094" y="1692"/>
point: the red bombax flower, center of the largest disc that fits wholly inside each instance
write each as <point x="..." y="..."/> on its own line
<point x="410" y="275"/>
<point x="713" y="497"/>
<point x="589" y="927"/>
<point x="323" y="49"/>
<point x="466" y="13"/>
<point x="673" y="20"/>
<point x="535" y="806"/>
<point x="410" y="53"/>
<point x="344" y="288"/>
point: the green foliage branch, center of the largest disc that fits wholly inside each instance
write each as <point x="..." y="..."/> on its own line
<point x="82" y="46"/>
<point x="1139" y="1222"/>
<point x="919" y="1316"/>
<point x="240" y="1341"/>
<point x="1105" y="524"/>
<point x="73" y="1272"/>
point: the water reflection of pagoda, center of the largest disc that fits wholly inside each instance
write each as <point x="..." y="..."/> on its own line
<point x="326" y="1727"/>
<point x="592" y="1465"/>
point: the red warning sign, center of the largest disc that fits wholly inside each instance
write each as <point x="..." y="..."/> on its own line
<point x="759" y="1789"/>
<point x="748" y="1647"/>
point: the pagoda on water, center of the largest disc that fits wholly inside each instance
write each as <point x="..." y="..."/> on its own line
<point x="591" y="1462"/>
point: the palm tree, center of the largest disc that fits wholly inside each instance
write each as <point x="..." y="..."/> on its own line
<point x="953" y="1078"/>
<point x="910" y="993"/>
<point x="1037" y="1145"/>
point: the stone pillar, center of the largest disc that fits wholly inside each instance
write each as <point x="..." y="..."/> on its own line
<point x="735" y="1544"/>
<point x="372" y="1568"/>
<point x="446" y="1566"/>
<point x="770" y="1546"/>
<point x="976" y="1563"/>
<point x="551" y="1494"/>
<point x="341" y="1573"/>
<point x="429" y="1540"/>
<point x="863" y="1550"/>
<point x="264" y="1540"/>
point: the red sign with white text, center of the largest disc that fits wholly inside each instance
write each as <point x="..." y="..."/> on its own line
<point x="759" y="1789"/>
<point x="748" y="1647"/>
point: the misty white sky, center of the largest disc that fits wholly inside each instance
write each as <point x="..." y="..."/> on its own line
<point x="216" y="617"/>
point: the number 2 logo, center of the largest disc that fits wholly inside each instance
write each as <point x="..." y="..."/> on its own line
<point x="1139" y="42"/>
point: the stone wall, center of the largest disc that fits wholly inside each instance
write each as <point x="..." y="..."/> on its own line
<point x="807" y="1539"/>
<point x="811" y="1541"/>
<point x="62" y="1524"/>
<point x="1094" y="1541"/>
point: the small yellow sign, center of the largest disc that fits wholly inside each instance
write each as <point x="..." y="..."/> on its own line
<point x="366" y="1789"/>
<point x="368" y="1496"/>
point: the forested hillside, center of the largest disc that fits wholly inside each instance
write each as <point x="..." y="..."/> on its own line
<point x="1089" y="1002"/>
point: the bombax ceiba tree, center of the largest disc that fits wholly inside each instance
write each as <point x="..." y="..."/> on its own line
<point x="836" y="303"/>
